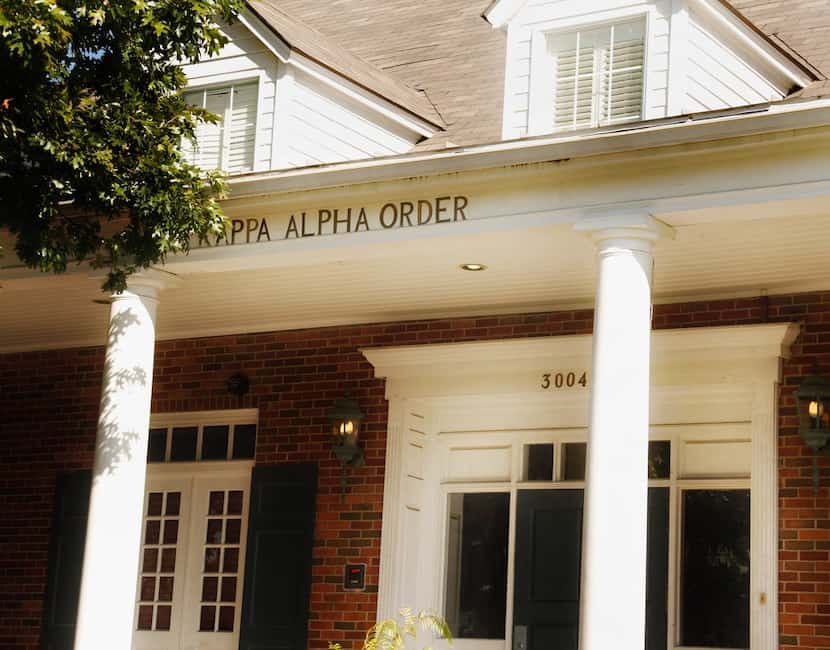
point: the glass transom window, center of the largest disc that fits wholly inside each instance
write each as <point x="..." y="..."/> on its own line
<point x="597" y="75"/>
<point x="228" y="144"/>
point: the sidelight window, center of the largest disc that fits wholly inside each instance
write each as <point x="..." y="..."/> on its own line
<point x="714" y="610"/>
<point x="476" y="589"/>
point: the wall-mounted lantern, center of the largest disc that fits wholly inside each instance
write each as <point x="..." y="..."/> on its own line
<point x="346" y="418"/>
<point x="813" y="399"/>
<point x="238" y="384"/>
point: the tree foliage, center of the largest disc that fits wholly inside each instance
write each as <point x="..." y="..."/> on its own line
<point x="91" y="125"/>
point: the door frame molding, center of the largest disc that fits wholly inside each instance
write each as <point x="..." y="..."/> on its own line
<point x="724" y="376"/>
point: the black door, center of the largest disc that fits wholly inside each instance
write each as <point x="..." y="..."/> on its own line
<point x="548" y="561"/>
<point x="548" y="556"/>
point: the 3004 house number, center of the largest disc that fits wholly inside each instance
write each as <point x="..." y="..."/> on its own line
<point x="555" y="380"/>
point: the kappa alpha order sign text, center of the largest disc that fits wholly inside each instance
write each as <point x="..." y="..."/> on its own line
<point x="345" y="220"/>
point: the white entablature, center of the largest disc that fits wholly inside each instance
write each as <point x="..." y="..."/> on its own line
<point x="624" y="62"/>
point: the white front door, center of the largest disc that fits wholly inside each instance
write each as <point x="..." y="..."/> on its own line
<point x="189" y="592"/>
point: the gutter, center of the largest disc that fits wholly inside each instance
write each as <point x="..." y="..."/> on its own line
<point x="651" y="134"/>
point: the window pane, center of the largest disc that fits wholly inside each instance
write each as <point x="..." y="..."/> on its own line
<point x="574" y="461"/>
<point x="659" y="458"/>
<point x="157" y="446"/>
<point x="154" y="501"/>
<point x="184" y="444"/>
<point x="145" y="617"/>
<point x="539" y="463"/>
<point x="163" y="617"/>
<point x="215" y="442"/>
<point x="715" y="569"/>
<point x="244" y="440"/>
<point x="210" y="589"/>
<point x="476" y="586"/>
<point x="226" y="619"/>
<point x="206" y="618"/>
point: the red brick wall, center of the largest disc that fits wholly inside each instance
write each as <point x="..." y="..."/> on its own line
<point x="48" y="406"/>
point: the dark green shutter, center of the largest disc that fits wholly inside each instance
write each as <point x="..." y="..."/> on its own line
<point x="66" y="556"/>
<point x="278" y="565"/>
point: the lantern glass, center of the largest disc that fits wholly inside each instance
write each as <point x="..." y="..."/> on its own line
<point x="814" y="411"/>
<point x="345" y="419"/>
<point x="345" y="432"/>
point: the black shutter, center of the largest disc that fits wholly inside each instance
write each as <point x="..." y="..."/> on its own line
<point x="278" y="565"/>
<point x="657" y="569"/>
<point x="66" y="556"/>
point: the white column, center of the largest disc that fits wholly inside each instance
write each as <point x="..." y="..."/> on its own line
<point x="612" y="602"/>
<point x="108" y="584"/>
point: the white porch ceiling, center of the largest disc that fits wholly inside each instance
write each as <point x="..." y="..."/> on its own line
<point x="543" y="268"/>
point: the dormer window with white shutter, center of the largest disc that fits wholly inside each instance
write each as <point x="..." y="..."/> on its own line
<point x="588" y="78"/>
<point x="229" y="144"/>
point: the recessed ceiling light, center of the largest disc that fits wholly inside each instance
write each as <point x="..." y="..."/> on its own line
<point x="473" y="267"/>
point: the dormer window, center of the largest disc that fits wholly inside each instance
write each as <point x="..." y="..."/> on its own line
<point x="588" y="77"/>
<point x="598" y="76"/>
<point x="229" y="144"/>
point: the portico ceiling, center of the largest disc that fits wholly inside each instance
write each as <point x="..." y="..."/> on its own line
<point x="539" y="268"/>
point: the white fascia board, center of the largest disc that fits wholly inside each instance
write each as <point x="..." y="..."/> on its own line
<point x="773" y="58"/>
<point x="289" y="56"/>
<point x="667" y="132"/>
<point x="750" y="342"/>
<point x="265" y="34"/>
<point x="360" y="94"/>
<point x="500" y="12"/>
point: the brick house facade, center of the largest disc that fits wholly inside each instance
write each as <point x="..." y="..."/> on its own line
<point x="49" y="402"/>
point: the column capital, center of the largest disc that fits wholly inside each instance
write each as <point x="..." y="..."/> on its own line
<point x="153" y="279"/>
<point x="146" y="283"/>
<point x="625" y="225"/>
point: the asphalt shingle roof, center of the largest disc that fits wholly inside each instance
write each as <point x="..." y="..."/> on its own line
<point x="449" y="52"/>
<point x="329" y="53"/>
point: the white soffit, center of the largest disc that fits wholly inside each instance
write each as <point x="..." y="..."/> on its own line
<point x="540" y="269"/>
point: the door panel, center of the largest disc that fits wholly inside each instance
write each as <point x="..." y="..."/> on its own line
<point x="548" y="556"/>
<point x="548" y="566"/>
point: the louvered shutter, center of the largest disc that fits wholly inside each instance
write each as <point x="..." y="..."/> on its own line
<point x="209" y="137"/>
<point x="574" y="96"/>
<point x="242" y="129"/>
<point x="228" y="144"/>
<point x="622" y="81"/>
<point x="598" y="76"/>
